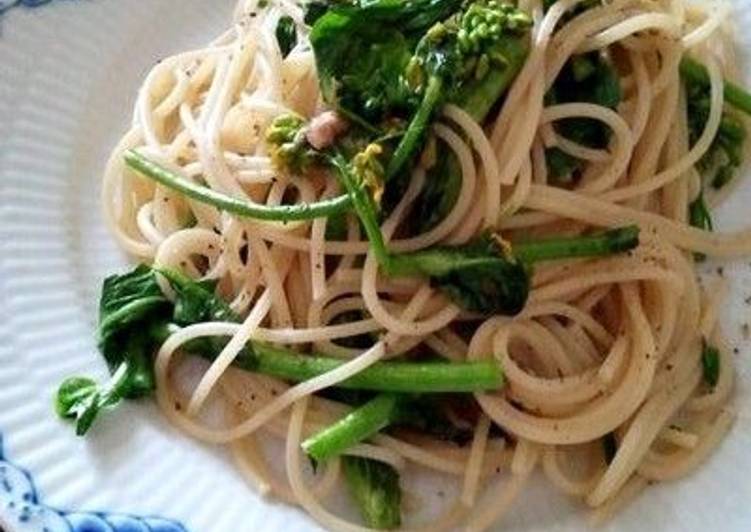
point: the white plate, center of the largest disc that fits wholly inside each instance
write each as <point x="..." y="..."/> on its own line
<point x="68" y="76"/>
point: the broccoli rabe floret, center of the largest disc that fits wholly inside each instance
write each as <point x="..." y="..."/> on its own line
<point x="289" y="149"/>
<point x="454" y="53"/>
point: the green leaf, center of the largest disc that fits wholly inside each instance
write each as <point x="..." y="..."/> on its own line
<point x="584" y="78"/>
<point x="286" y="35"/>
<point x="134" y="320"/>
<point x="360" y="60"/>
<point x="710" y="362"/>
<point x="561" y="165"/>
<point x="427" y="414"/>
<point x="700" y="217"/>
<point x="375" y="488"/>
<point x="129" y="304"/>
<point x="196" y="301"/>
<point x="439" y="194"/>
<point x="479" y="276"/>
<point x="81" y="399"/>
<point x="72" y="392"/>
<point x="126" y="300"/>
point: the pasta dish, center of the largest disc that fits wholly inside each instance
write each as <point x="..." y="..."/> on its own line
<point x="456" y="236"/>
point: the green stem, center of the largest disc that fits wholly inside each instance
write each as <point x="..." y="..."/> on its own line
<point x="397" y="377"/>
<point x="360" y="424"/>
<point x="365" y="207"/>
<point x="283" y="213"/>
<point x="606" y="243"/>
<point x="417" y="127"/>
<point x="734" y="94"/>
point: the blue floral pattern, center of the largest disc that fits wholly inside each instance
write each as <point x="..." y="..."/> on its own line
<point x="22" y="511"/>
<point x="7" y="4"/>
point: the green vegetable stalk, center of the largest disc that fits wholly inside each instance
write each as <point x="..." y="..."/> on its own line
<point x="597" y="245"/>
<point x="282" y="213"/>
<point x="358" y="425"/>
<point x="402" y="377"/>
<point x="424" y="413"/>
<point x="696" y="73"/>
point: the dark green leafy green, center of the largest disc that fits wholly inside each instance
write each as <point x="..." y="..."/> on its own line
<point x="127" y="300"/>
<point x="584" y="78"/>
<point x="439" y="194"/>
<point x="286" y="35"/>
<point x="315" y="9"/>
<point x="694" y="72"/>
<point x="374" y="486"/>
<point x="427" y="414"/>
<point x="476" y="95"/>
<point x="196" y="301"/>
<point x="480" y="276"/>
<point x="710" y="362"/>
<point x="724" y="156"/>
<point x="387" y="63"/>
<point x="362" y="51"/>
<point x="129" y="305"/>
<point x="700" y="217"/>
<point x="135" y="319"/>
